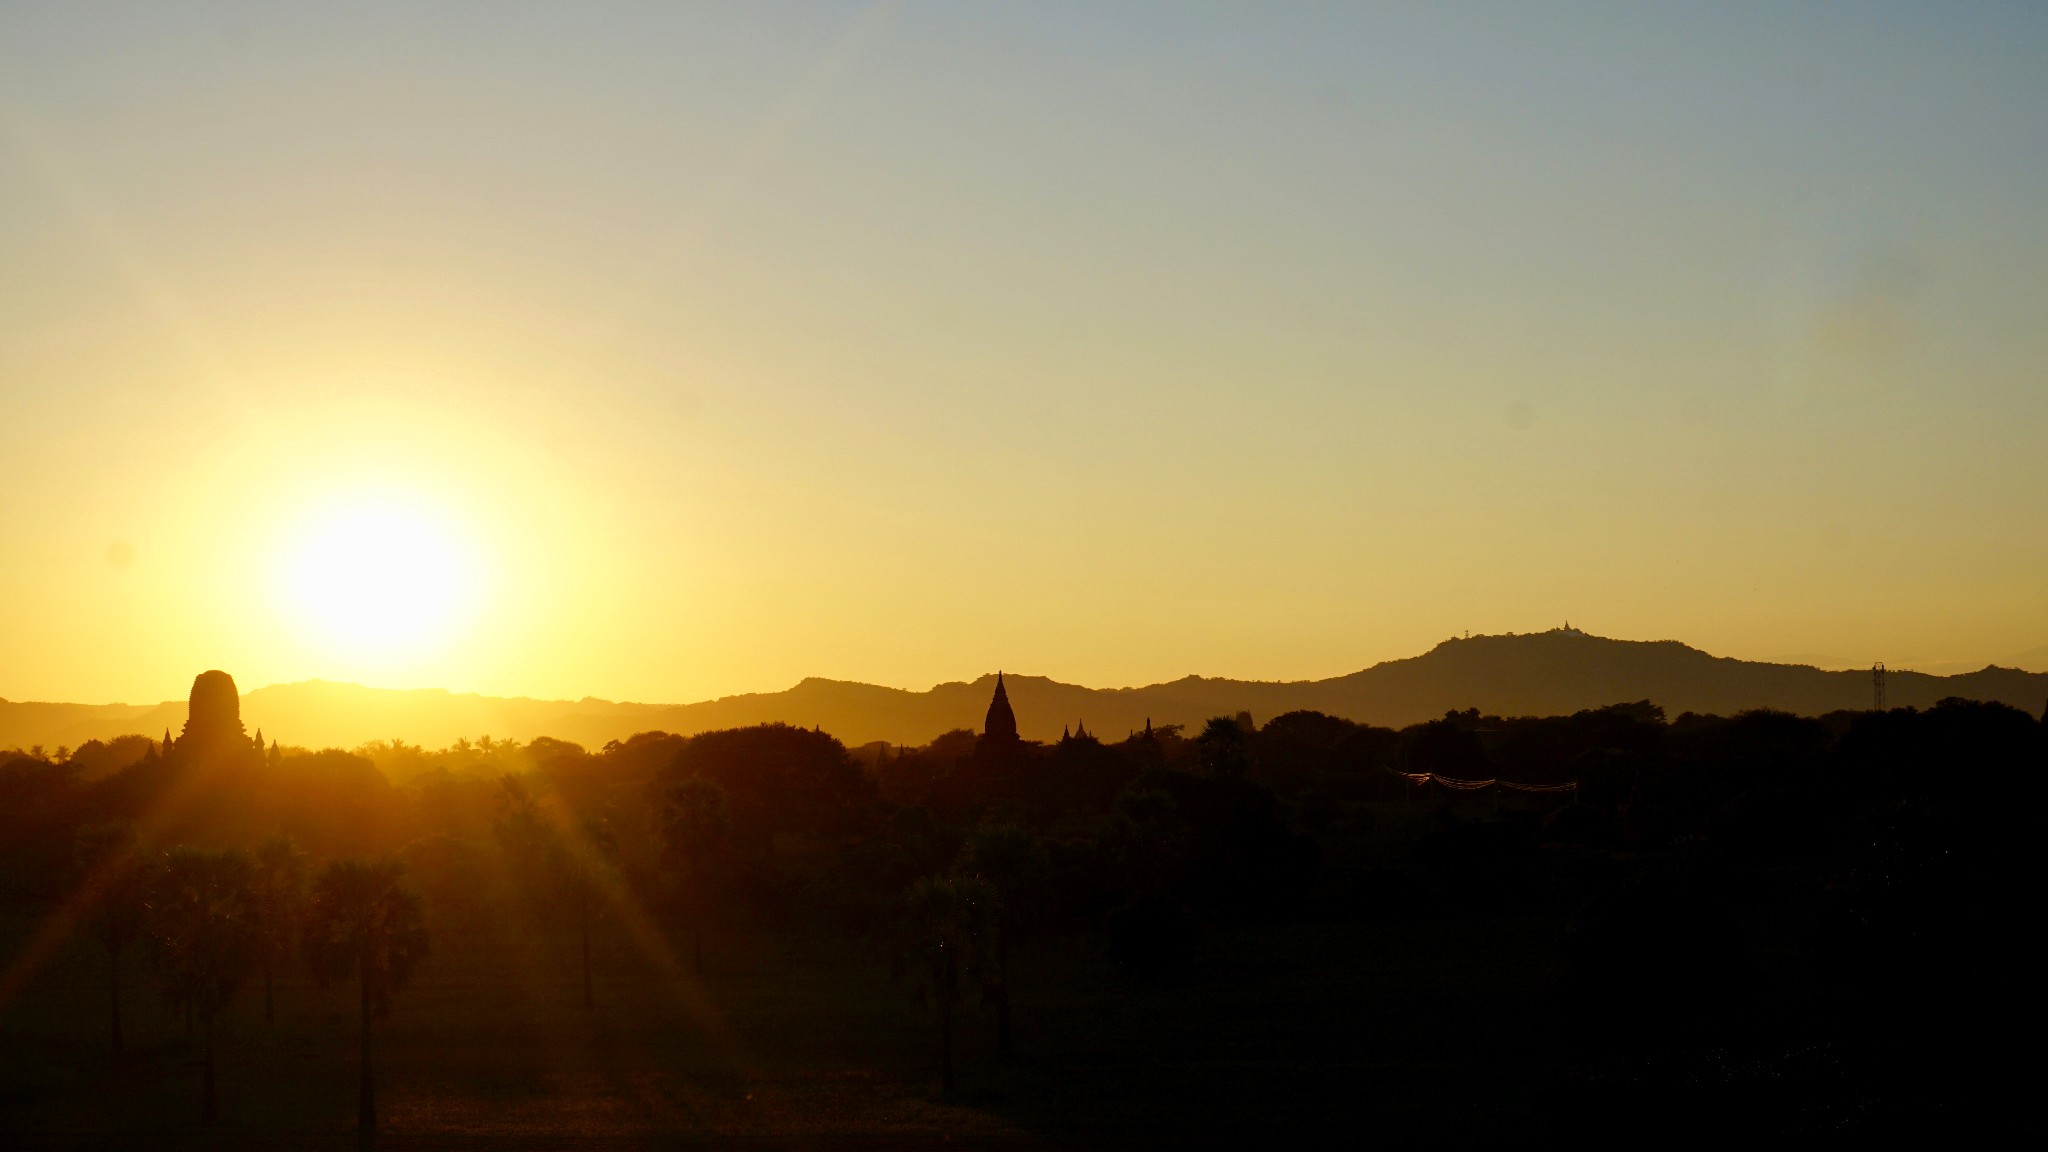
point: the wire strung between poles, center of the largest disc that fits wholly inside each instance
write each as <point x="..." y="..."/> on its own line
<point x="1457" y="785"/>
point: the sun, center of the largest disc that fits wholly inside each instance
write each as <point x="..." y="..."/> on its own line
<point x="379" y="575"/>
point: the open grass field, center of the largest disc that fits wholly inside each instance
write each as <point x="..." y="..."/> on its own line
<point x="1403" y="1033"/>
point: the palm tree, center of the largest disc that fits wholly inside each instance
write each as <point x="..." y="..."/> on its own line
<point x="1012" y="860"/>
<point x="280" y="899"/>
<point x="578" y="866"/>
<point x="202" y="935"/>
<point x="115" y="875"/>
<point x="1223" y="748"/>
<point x="946" y="930"/>
<point x="565" y="866"/>
<point x="518" y="821"/>
<point x="361" y="925"/>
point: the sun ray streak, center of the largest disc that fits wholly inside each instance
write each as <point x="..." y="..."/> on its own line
<point x="645" y="934"/>
<point x="62" y="925"/>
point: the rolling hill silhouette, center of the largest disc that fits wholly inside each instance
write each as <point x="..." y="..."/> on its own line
<point x="1533" y="674"/>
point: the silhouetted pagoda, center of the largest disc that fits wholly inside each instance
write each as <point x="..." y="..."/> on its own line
<point x="213" y="730"/>
<point x="1001" y="724"/>
<point x="999" y="746"/>
<point x="994" y="773"/>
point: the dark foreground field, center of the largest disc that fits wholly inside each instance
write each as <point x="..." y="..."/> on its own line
<point x="1414" y="1032"/>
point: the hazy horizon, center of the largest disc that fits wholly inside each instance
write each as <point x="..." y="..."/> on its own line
<point x="1559" y="672"/>
<point x="2035" y="660"/>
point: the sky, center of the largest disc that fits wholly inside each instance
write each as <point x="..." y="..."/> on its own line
<point x="667" y="351"/>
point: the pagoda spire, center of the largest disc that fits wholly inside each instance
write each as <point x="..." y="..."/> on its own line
<point x="1001" y="723"/>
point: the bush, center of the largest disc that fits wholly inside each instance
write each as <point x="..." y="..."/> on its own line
<point x="1151" y="936"/>
<point x="1661" y="965"/>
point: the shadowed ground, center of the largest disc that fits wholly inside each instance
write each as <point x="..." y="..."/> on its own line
<point x="1403" y="1031"/>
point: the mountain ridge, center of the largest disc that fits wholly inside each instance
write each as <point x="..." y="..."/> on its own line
<point x="1541" y="673"/>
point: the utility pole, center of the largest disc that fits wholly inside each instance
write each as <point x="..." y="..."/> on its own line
<point x="1877" y="685"/>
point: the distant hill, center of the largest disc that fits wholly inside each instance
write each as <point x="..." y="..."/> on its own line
<point x="2033" y="659"/>
<point x="1536" y="674"/>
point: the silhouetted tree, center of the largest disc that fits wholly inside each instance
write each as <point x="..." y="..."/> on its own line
<point x="1450" y="746"/>
<point x="518" y="823"/>
<point x="1222" y="747"/>
<point x="361" y="925"/>
<point x="334" y="803"/>
<point x="1661" y="964"/>
<point x="116" y="876"/>
<point x="580" y="866"/>
<point x="41" y="808"/>
<point x="204" y="938"/>
<point x="1207" y="837"/>
<point x="1013" y="862"/>
<point x="1151" y="936"/>
<point x="946" y="925"/>
<point x="280" y="900"/>
<point x="695" y="824"/>
<point x="1154" y="841"/>
<point x="566" y="866"/>
<point x="95" y="759"/>
<point x="776" y="778"/>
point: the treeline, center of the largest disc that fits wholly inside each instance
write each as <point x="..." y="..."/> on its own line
<point x="206" y="923"/>
<point x="1888" y="857"/>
